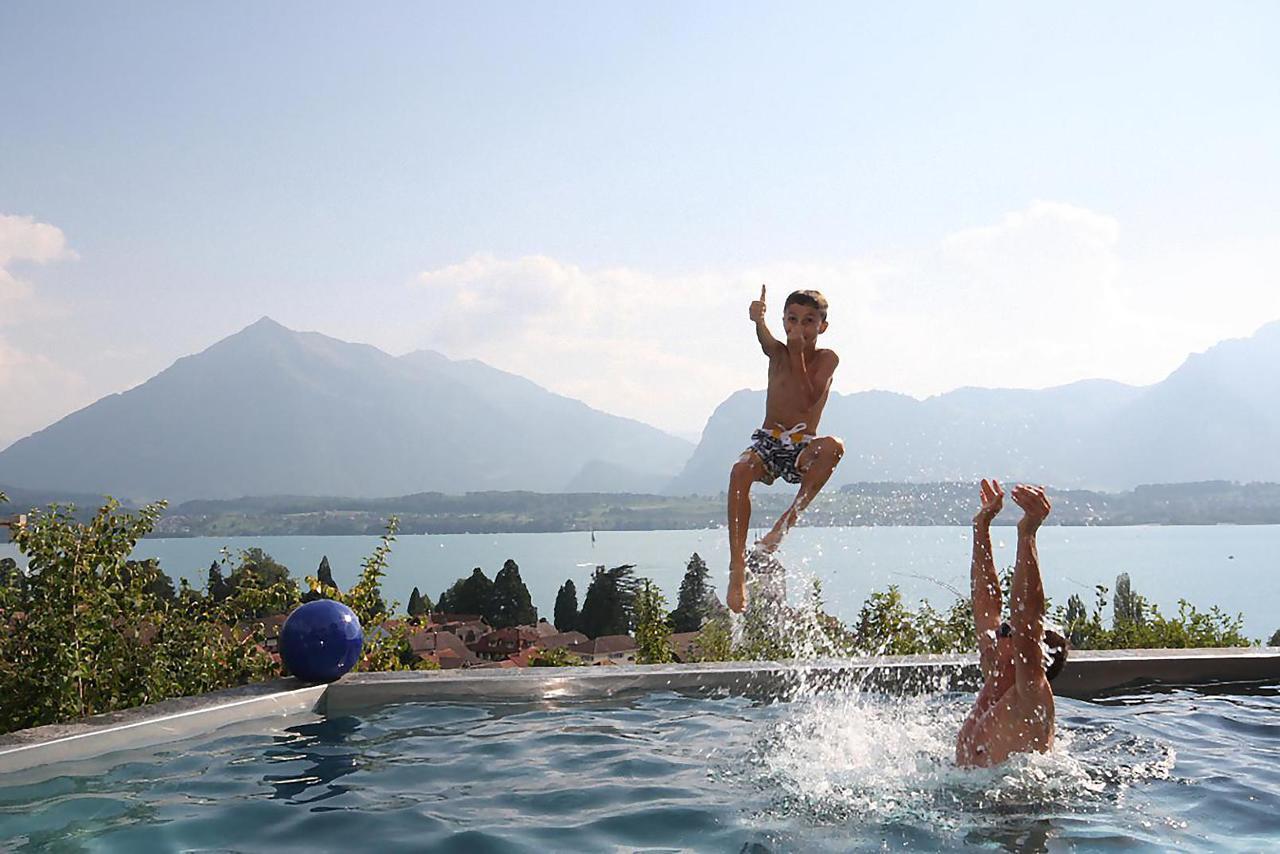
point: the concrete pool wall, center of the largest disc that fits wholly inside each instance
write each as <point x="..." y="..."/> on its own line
<point x="272" y="706"/>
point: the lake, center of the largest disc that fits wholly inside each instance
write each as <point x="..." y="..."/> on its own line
<point x="1234" y="567"/>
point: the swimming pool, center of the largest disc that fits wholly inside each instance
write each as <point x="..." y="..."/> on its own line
<point x="1196" y="769"/>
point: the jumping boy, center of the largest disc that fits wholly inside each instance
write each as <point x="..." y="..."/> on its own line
<point x="787" y="444"/>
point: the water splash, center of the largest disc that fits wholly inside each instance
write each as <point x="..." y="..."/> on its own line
<point x="835" y="758"/>
<point x="834" y="754"/>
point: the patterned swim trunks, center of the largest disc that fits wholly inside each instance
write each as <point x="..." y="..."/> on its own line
<point x="778" y="449"/>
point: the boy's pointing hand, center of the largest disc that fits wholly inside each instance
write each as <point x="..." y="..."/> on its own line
<point x="756" y="312"/>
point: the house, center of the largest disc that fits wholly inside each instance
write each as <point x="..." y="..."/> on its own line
<point x="500" y="643"/>
<point x="444" y="648"/>
<point x="469" y="631"/>
<point x="441" y="618"/>
<point x="561" y="639"/>
<point x="615" y="649"/>
<point x="271" y="627"/>
<point x="522" y="658"/>
<point x="684" y="646"/>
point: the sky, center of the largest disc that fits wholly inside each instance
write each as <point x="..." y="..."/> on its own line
<point x="590" y="195"/>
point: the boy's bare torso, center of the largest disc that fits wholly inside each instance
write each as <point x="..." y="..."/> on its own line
<point x="787" y="400"/>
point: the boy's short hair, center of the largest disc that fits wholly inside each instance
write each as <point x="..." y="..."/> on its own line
<point x="1058" y="649"/>
<point x="813" y="299"/>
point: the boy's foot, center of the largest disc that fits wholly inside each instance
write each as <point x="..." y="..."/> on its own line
<point x="769" y="542"/>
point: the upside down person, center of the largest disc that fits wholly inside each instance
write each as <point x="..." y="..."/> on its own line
<point x="1014" y="711"/>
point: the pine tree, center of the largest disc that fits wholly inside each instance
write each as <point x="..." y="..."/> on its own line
<point x="609" y="605"/>
<point x="510" y="603"/>
<point x="419" y="605"/>
<point x="217" y="587"/>
<point x="653" y="635"/>
<point x="324" y="574"/>
<point x="470" y="595"/>
<point x="694" y="604"/>
<point x="11" y="576"/>
<point x="566" y="610"/>
<point x="1127" y="607"/>
<point x="1076" y="617"/>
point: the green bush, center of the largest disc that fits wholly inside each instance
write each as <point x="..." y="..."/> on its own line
<point x="1138" y="624"/>
<point x="886" y="625"/>
<point x="653" y="632"/>
<point x="558" y="657"/>
<point x="87" y="630"/>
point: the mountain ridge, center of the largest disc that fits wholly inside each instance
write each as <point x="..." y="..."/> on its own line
<point x="1216" y="416"/>
<point x="269" y="410"/>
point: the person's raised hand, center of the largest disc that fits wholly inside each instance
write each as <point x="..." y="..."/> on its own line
<point x="992" y="497"/>
<point x="756" y="312"/>
<point x="1034" y="503"/>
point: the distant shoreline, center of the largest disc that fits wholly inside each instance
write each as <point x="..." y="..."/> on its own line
<point x="402" y="532"/>
<point x="855" y="505"/>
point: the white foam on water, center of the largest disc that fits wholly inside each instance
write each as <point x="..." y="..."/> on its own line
<point x="875" y="759"/>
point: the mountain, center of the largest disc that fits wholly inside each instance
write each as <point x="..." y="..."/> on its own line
<point x="1215" y="417"/>
<point x="269" y="410"/>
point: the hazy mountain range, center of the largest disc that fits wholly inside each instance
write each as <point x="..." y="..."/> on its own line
<point x="1215" y="417"/>
<point x="270" y="411"/>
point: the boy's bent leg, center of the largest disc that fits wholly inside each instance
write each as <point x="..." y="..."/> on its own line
<point x="816" y="463"/>
<point x="746" y="471"/>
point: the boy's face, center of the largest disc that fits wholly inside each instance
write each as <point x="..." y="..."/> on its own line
<point x="803" y="321"/>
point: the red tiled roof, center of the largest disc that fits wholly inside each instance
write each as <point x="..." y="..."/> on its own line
<point x="604" y="645"/>
<point x="440" y="644"/>
<point x="512" y="633"/>
<point x="521" y="658"/>
<point x="442" y="617"/>
<point x="560" y="639"/>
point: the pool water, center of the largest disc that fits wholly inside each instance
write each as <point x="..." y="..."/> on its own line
<point x="1187" y="769"/>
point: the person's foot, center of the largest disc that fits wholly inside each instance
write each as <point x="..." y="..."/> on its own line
<point x="769" y="542"/>
<point x="736" y="598"/>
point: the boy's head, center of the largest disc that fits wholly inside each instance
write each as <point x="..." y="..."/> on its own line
<point x="813" y="299"/>
<point x="1053" y="644"/>
<point x="805" y="314"/>
<point x="1056" y="647"/>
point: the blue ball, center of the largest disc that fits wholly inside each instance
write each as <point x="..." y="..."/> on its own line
<point x="321" y="640"/>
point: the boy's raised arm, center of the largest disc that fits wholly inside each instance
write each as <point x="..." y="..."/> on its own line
<point x="768" y="343"/>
